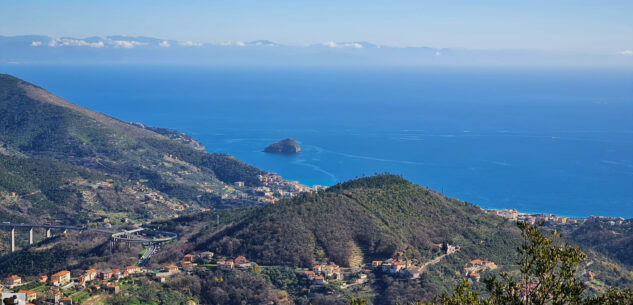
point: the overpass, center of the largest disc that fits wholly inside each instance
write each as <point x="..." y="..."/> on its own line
<point x="127" y="236"/>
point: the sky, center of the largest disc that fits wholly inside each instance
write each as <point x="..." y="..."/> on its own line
<point x="599" y="26"/>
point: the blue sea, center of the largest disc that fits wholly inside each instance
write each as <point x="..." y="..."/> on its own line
<point x="539" y="140"/>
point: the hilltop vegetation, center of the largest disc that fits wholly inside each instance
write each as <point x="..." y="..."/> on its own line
<point x="55" y="154"/>
<point x="381" y="216"/>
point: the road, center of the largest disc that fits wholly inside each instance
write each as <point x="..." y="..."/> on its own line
<point x="117" y="235"/>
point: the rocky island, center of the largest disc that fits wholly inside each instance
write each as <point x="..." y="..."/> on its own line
<point x="286" y="146"/>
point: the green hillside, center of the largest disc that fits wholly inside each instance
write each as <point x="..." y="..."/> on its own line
<point x="65" y="160"/>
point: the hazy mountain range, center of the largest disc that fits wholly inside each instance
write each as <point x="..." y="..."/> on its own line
<point x="37" y="49"/>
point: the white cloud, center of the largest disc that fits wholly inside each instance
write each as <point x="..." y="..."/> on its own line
<point x="626" y="52"/>
<point x="164" y="44"/>
<point x="36" y="43"/>
<point x="127" y="44"/>
<point x="438" y="53"/>
<point x="190" y="44"/>
<point x="353" y="45"/>
<point x="240" y="43"/>
<point x="68" y="42"/>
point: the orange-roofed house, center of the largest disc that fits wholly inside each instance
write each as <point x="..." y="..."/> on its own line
<point x="62" y="277"/>
<point x="187" y="265"/>
<point x="90" y="275"/>
<point x="476" y="262"/>
<point x="43" y="279"/>
<point x="13" y="281"/>
<point x="319" y="280"/>
<point x="310" y="274"/>
<point x="225" y="265"/>
<point x="241" y="260"/>
<point x="171" y="268"/>
<point x="30" y="295"/>
<point x="474" y="276"/>
<point x="316" y="269"/>
<point x="66" y="301"/>
<point x="188" y="258"/>
<point x="133" y="269"/>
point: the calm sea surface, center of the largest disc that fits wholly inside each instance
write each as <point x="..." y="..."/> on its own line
<point x="557" y="141"/>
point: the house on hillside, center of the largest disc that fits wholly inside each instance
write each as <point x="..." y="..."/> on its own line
<point x="319" y="280"/>
<point x="30" y="295"/>
<point x="66" y="301"/>
<point x="309" y="274"/>
<point x="43" y="279"/>
<point x="225" y="265"/>
<point x="62" y="278"/>
<point x="188" y="258"/>
<point x="105" y="275"/>
<point x="13" y="281"/>
<point x="133" y="269"/>
<point x="90" y="275"/>
<point x="171" y="268"/>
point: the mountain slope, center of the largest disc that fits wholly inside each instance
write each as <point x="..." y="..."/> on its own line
<point x="381" y="216"/>
<point x="131" y="160"/>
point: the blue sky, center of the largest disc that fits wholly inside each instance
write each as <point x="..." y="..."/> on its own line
<point x="600" y="26"/>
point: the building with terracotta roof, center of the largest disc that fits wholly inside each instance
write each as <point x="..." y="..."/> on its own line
<point x="319" y="280"/>
<point x="66" y="301"/>
<point x="171" y="268"/>
<point x="133" y="269"/>
<point x="43" y="279"/>
<point x="309" y="274"/>
<point x="476" y="262"/>
<point x="30" y="295"/>
<point x="13" y="281"/>
<point x="225" y="265"/>
<point x="90" y="275"/>
<point x="188" y="258"/>
<point x="241" y="260"/>
<point x="62" y="277"/>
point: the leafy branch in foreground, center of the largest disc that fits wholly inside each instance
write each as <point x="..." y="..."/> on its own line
<point x="548" y="276"/>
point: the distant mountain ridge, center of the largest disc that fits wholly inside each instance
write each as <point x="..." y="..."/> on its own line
<point x="34" y="49"/>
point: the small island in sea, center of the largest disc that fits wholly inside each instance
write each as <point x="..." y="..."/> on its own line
<point x="286" y="146"/>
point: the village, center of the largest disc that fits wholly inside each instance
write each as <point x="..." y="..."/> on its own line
<point x="532" y="219"/>
<point x="65" y="288"/>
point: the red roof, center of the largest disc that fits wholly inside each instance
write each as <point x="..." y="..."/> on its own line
<point x="132" y="267"/>
<point x="476" y="262"/>
<point x="188" y="255"/>
<point x="318" y="277"/>
<point x="13" y="278"/>
<point x="308" y="272"/>
<point x="91" y="271"/>
<point x="171" y="267"/>
<point x="61" y="273"/>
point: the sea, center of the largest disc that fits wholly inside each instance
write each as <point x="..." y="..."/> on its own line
<point x="550" y="140"/>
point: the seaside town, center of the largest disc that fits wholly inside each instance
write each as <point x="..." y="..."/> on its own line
<point x="549" y="219"/>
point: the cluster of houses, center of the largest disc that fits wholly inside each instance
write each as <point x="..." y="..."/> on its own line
<point x="532" y="219"/>
<point x="475" y="267"/>
<point x="398" y="267"/>
<point x="63" y="280"/>
<point x="321" y="274"/>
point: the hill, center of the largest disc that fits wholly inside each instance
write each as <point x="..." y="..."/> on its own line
<point x="370" y="218"/>
<point x="62" y="162"/>
<point x="354" y="223"/>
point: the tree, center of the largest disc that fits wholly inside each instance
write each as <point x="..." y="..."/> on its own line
<point x="548" y="275"/>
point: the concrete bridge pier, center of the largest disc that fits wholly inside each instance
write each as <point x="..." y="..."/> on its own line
<point x="30" y="236"/>
<point x="12" y="239"/>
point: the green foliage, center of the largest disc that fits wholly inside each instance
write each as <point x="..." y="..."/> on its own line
<point x="379" y="215"/>
<point x="548" y="276"/>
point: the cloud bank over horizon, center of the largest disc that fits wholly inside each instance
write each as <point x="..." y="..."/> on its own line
<point x="35" y="49"/>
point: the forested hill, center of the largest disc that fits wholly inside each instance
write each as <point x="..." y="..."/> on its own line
<point x="102" y="164"/>
<point x="369" y="218"/>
